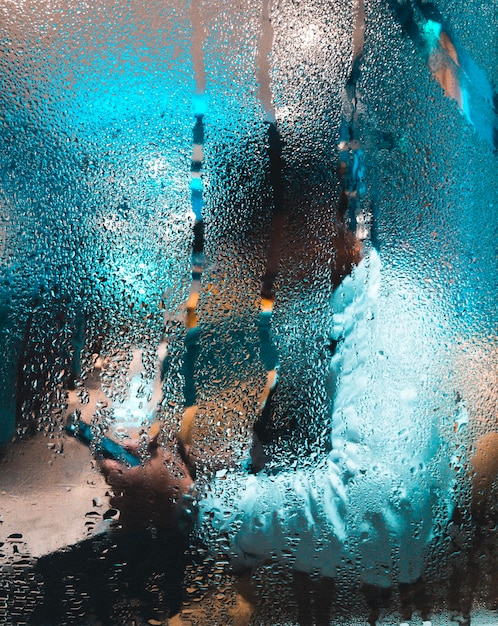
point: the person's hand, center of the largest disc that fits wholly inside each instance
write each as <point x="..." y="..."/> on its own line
<point x="149" y="495"/>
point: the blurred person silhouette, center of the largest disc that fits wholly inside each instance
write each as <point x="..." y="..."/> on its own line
<point x="153" y="497"/>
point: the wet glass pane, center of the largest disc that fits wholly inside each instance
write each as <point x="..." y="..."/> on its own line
<point x="248" y="312"/>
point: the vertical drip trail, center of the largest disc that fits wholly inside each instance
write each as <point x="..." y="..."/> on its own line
<point x="196" y="183"/>
<point x="197" y="205"/>
<point x="198" y="262"/>
<point x="351" y="156"/>
<point x="268" y="348"/>
<point x="264" y="51"/>
<point x="274" y="157"/>
<point x="198" y="36"/>
<point x="191" y="343"/>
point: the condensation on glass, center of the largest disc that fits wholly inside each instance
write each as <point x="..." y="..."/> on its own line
<point x="174" y="257"/>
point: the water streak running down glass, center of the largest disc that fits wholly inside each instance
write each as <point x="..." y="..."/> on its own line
<point x="248" y="312"/>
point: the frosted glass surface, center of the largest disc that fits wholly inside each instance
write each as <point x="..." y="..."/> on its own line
<point x="173" y="256"/>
